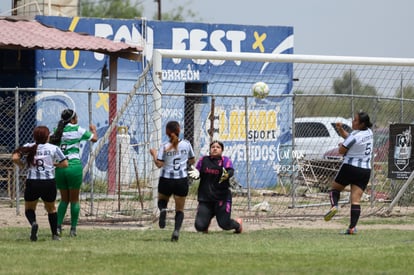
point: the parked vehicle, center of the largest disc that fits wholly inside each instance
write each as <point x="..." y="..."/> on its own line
<point x="313" y="136"/>
<point x="381" y="146"/>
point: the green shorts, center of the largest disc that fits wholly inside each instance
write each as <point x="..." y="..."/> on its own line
<point x="70" y="177"/>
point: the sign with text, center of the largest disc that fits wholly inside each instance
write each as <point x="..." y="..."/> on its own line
<point x="400" y="157"/>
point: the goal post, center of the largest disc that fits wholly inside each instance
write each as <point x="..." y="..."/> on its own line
<point x="302" y="81"/>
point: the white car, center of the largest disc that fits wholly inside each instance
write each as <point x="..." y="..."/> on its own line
<point x="313" y="136"/>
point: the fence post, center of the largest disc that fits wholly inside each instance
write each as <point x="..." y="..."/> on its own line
<point x="246" y="121"/>
<point x="17" y="142"/>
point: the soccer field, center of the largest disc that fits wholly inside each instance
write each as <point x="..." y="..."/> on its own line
<point x="377" y="249"/>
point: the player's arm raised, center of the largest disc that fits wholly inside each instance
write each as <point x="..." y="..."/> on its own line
<point x="341" y="130"/>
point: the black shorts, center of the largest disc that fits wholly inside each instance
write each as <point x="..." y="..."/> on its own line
<point x="349" y="174"/>
<point x="177" y="187"/>
<point x="44" y="189"/>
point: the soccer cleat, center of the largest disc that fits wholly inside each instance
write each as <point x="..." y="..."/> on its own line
<point x="55" y="238"/>
<point x="328" y="216"/>
<point x="163" y="216"/>
<point x="33" y="232"/>
<point x="350" y="231"/>
<point x="72" y="232"/>
<point x="240" y="229"/>
<point x="59" y="230"/>
<point x="175" y="236"/>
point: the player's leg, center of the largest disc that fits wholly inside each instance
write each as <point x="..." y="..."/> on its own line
<point x="62" y="186"/>
<point x="179" y="216"/>
<point x="223" y="216"/>
<point x="74" y="211"/>
<point x="356" y="194"/>
<point x="74" y="174"/>
<point x="334" y="196"/>
<point x="31" y="196"/>
<point x="30" y="213"/>
<point x="164" y="194"/>
<point x="49" y="197"/>
<point x="180" y="194"/>
<point x="361" y="178"/>
<point x="205" y="212"/>
<point x="162" y="207"/>
<point x="52" y="218"/>
<point x="341" y="180"/>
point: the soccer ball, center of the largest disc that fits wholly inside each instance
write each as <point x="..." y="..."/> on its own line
<point x="260" y="90"/>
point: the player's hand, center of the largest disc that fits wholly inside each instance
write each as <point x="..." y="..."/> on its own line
<point x="224" y="175"/>
<point x="194" y="173"/>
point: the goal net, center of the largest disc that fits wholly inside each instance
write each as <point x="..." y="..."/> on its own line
<point x="283" y="147"/>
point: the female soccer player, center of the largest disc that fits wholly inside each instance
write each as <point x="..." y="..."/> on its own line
<point x="214" y="194"/>
<point x="355" y="169"/>
<point x="41" y="160"/>
<point x="68" y="135"/>
<point x="173" y="157"/>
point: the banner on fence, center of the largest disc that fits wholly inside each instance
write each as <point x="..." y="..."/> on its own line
<point x="400" y="157"/>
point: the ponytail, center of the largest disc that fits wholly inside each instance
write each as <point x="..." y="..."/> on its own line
<point x="57" y="135"/>
<point x="174" y="141"/>
<point x="66" y="116"/>
<point x="173" y="130"/>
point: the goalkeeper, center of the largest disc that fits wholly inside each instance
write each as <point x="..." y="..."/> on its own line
<point x="214" y="194"/>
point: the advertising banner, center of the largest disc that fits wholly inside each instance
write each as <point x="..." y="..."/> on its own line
<point x="269" y="125"/>
<point x="400" y="157"/>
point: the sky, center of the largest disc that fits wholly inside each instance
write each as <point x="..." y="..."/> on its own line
<point x="374" y="28"/>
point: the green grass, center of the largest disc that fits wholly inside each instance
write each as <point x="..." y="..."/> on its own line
<point x="275" y="251"/>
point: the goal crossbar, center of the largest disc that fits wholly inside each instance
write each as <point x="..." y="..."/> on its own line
<point x="290" y="58"/>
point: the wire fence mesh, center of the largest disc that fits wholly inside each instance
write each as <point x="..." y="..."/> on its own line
<point x="266" y="139"/>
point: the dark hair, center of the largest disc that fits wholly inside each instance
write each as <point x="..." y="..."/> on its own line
<point x="364" y="118"/>
<point x="40" y="136"/>
<point x="219" y="143"/>
<point x="66" y="116"/>
<point x="173" y="131"/>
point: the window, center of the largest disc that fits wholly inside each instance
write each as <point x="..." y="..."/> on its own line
<point x="344" y="126"/>
<point x="310" y="129"/>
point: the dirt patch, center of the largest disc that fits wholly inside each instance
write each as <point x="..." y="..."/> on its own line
<point x="10" y="217"/>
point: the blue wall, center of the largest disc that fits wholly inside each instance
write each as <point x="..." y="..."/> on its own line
<point x="82" y="70"/>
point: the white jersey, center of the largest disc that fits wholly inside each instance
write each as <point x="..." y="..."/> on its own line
<point x="360" y="145"/>
<point x="46" y="155"/>
<point x="175" y="161"/>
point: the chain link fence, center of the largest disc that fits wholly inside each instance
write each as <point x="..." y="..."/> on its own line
<point x="267" y="139"/>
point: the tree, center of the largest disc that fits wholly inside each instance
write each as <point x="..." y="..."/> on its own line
<point x="111" y="9"/>
<point x="408" y="92"/>
<point x="179" y="13"/>
<point x="350" y="84"/>
<point x="127" y="10"/>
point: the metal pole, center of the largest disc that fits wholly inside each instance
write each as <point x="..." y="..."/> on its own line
<point x="91" y="178"/>
<point x="400" y="193"/>
<point x="211" y="118"/>
<point x="246" y="121"/>
<point x="294" y="160"/>
<point x="401" y="100"/>
<point x="352" y="93"/>
<point x="159" y="9"/>
<point x="17" y="142"/>
<point x="156" y="118"/>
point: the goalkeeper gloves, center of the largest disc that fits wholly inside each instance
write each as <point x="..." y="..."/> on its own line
<point x="224" y="175"/>
<point x="194" y="173"/>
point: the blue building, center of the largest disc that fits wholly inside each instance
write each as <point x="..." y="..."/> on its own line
<point x="83" y="70"/>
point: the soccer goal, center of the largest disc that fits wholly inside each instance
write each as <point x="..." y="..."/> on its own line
<point x="282" y="145"/>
